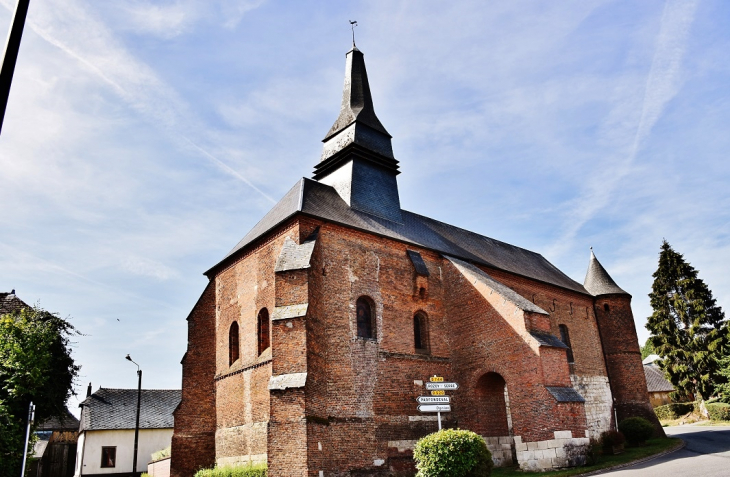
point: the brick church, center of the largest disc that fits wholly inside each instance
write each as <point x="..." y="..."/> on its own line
<point x="316" y="333"/>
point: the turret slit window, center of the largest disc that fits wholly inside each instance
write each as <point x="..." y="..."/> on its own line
<point x="233" y="348"/>
<point x="565" y="338"/>
<point x="365" y="318"/>
<point x="420" y="332"/>
<point x="263" y="330"/>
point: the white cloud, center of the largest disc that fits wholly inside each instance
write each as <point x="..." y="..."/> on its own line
<point x="148" y="268"/>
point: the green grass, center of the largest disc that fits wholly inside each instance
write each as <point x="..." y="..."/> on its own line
<point x="653" y="446"/>
<point x="255" y="470"/>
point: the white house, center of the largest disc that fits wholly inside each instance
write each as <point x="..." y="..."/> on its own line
<point x="106" y="429"/>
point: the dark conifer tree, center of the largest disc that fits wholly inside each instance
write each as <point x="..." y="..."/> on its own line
<point x="688" y="327"/>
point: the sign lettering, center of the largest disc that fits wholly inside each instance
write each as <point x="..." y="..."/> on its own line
<point x="445" y="386"/>
<point x="434" y="408"/>
<point x="433" y="399"/>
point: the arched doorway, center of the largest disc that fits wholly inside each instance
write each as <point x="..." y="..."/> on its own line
<point x="493" y="419"/>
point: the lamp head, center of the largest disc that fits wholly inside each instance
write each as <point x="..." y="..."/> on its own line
<point x="128" y="358"/>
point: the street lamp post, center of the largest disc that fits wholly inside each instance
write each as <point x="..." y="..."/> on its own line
<point x="136" y="424"/>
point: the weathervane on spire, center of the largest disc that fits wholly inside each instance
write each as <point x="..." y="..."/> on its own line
<point x="353" y="24"/>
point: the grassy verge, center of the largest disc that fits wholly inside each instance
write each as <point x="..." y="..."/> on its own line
<point x="714" y="423"/>
<point x="653" y="446"/>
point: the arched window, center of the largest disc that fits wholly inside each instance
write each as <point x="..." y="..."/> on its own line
<point x="263" y="330"/>
<point x="233" y="344"/>
<point x="565" y="338"/>
<point x="420" y="332"/>
<point x="365" y="318"/>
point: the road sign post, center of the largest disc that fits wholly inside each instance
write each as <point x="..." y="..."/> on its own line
<point x="438" y="401"/>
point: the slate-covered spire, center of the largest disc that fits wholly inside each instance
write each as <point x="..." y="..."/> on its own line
<point x="357" y="156"/>
<point x="357" y="102"/>
<point x="598" y="281"/>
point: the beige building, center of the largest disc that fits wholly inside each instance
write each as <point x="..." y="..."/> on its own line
<point x="106" y="430"/>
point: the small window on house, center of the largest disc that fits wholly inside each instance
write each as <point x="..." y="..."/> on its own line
<point x="606" y="307"/>
<point x="263" y="330"/>
<point x="420" y="333"/>
<point x="365" y="318"/>
<point x="565" y="338"/>
<point x="108" y="457"/>
<point x="233" y="348"/>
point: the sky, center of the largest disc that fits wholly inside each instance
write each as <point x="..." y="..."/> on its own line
<point x="143" y="139"/>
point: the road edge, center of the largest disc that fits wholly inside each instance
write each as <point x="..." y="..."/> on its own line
<point x="679" y="446"/>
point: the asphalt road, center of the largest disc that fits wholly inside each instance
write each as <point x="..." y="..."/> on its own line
<point x="707" y="453"/>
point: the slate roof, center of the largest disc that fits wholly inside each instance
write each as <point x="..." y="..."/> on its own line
<point x="655" y="380"/>
<point x="67" y="422"/>
<point x="598" y="281"/>
<point x="562" y="394"/>
<point x="418" y="264"/>
<point x="117" y="408"/>
<point x="10" y="303"/>
<point x="321" y="201"/>
<point x="293" y="256"/>
<point x="546" y="339"/>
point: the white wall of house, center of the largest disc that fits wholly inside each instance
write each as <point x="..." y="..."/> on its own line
<point x="88" y="457"/>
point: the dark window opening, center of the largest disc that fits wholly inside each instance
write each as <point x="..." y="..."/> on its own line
<point x="565" y="338"/>
<point x="263" y="330"/>
<point x="365" y="319"/>
<point x="422" y="292"/>
<point x="108" y="457"/>
<point x="606" y="307"/>
<point x="420" y="333"/>
<point x="233" y="348"/>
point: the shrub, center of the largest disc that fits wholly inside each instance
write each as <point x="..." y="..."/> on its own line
<point x="612" y="438"/>
<point x="674" y="410"/>
<point x="161" y="454"/>
<point x="254" y="470"/>
<point x="636" y="430"/>
<point x="718" y="411"/>
<point x="452" y="453"/>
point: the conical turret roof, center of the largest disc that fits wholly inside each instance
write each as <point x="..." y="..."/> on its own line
<point x="598" y="281"/>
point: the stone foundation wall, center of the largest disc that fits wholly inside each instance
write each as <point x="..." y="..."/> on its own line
<point x="563" y="451"/>
<point x="501" y="449"/>
<point x="596" y="390"/>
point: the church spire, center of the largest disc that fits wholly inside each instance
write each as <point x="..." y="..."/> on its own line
<point x="357" y="156"/>
<point x="598" y="281"/>
<point x="357" y="101"/>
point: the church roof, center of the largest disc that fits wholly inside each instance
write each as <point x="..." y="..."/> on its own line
<point x="598" y="281"/>
<point x="321" y="201"/>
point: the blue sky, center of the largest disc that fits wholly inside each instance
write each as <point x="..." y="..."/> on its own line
<point x="143" y="139"/>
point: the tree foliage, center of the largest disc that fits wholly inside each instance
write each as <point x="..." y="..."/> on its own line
<point x="688" y="327"/>
<point x="647" y="349"/>
<point x="35" y="365"/>
<point x="723" y="389"/>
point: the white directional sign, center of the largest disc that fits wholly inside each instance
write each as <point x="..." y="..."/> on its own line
<point x="445" y="386"/>
<point x="434" y="408"/>
<point x="433" y="399"/>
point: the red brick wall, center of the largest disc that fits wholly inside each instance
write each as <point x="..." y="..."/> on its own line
<point x="193" y="440"/>
<point x="623" y="358"/>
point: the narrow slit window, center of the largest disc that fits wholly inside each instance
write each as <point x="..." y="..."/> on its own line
<point x="365" y="319"/>
<point x="565" y="338"/>
<point x="263" y="329"/>
<point x="420" y="333"/>
<point x="233" y="346"/>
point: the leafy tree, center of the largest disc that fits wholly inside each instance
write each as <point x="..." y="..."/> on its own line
<point x="35" y="365"/>
<point x="723" y="390"/>
<point x="647" y="349"/>
<point x="688" y="327"/>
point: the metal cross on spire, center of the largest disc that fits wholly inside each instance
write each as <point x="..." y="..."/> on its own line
<point x="353" y="24"/>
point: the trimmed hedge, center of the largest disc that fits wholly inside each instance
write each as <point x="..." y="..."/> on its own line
<point x="718" y="411"/>
<point x="452" y="453"/>
<point x="255" y="470"/>
<point x="674" y="410"/>
<point x="636" y="430"/>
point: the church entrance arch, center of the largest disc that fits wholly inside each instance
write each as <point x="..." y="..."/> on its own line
<point x="493" y="419"/>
